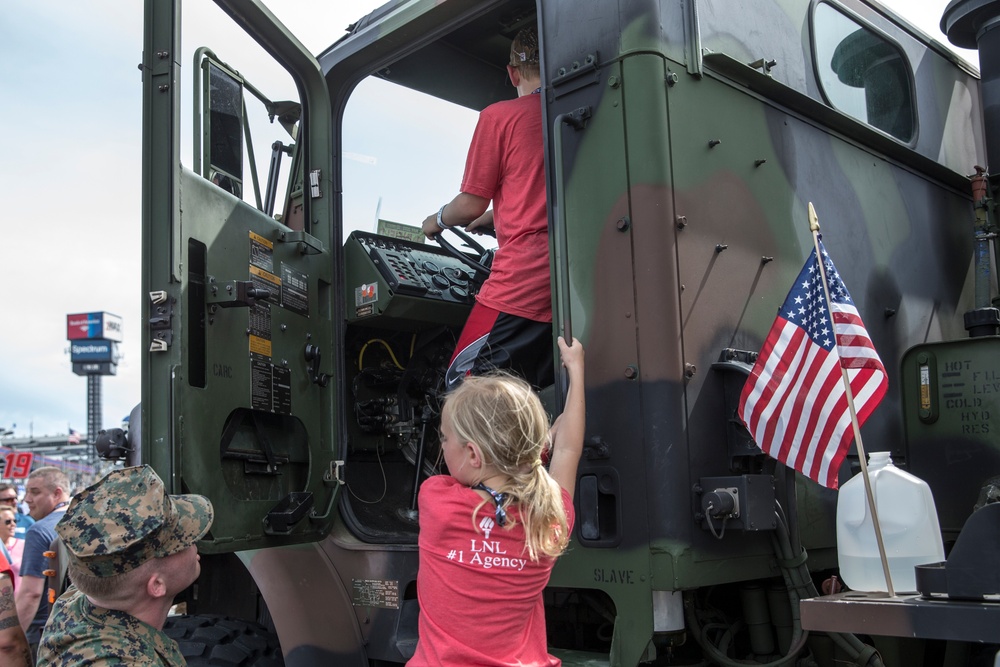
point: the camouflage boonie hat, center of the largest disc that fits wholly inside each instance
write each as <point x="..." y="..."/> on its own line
<point x="126" y="518"/>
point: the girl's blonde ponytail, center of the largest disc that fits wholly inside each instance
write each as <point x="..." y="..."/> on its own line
<point x="503" y="415"/>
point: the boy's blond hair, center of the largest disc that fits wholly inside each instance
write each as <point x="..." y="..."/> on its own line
<point x="504" y="417"/>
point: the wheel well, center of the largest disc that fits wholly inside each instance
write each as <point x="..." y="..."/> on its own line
<point x="226" y="588"/>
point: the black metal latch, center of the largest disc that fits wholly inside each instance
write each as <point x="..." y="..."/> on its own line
<point x="314" y="356"/>
<point x="236" y="294"/>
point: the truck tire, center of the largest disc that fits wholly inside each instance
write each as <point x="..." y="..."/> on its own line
<point x="219" y="641"/>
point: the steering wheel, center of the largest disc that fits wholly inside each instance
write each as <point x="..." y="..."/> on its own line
<point x="485" y="256"/>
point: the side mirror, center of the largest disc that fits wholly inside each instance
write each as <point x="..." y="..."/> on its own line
<point x="223" y="127"/>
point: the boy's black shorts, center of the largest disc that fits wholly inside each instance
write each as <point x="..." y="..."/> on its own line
<point x="494" y="340"/>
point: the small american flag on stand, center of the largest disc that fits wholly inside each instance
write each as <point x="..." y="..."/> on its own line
<point x="794" y="403"/>
<point x="73" y="438"/>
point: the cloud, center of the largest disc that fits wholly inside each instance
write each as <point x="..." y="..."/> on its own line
<point x="363" y="159"/>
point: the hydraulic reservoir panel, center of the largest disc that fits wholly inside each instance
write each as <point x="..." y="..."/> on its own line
<point x="951" y="407"/>
<point x="398" y="284"/>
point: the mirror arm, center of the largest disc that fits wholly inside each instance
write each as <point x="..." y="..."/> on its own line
<point x="253" y="161"/>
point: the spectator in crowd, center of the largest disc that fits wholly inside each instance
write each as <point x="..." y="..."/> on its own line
<point x="13" y="545"/>
<point x="8" y="498"/>
<point x="47" y="494"/>
<point x="131" y="549"/>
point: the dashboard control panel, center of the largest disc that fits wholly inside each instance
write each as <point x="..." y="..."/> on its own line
<point x="417" y="269"/>
<point x="391" y="277"/>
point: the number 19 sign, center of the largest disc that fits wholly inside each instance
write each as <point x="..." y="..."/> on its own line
<point x="17" y="465"/>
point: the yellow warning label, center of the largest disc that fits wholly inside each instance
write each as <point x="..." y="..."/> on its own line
<point x="260" y="346"/>
<point x="261" y="240"/>
<point x="261" y="273"/>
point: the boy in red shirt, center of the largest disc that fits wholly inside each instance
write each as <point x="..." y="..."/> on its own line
<point x="510" y="325"/>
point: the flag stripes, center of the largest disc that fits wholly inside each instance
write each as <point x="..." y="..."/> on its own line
<point x="794" y="403"/>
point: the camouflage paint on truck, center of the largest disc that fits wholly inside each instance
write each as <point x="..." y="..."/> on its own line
<point x="713" y="174"/>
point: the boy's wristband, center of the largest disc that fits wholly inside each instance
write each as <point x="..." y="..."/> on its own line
<point x="440" y="219"/>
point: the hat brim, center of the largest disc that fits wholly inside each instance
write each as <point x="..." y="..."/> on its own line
<point x="194" y="515"/>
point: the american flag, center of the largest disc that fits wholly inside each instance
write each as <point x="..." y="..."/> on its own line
<point x="794" y="402"/>
<point x="73" y="438"/>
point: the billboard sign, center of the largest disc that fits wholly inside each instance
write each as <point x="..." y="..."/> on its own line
<point x="93" y="351"/>
<point x="89" y="326"/>
<point x="398" y="230"/>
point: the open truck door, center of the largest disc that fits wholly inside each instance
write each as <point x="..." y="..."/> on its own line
<point x="238" y="388"/>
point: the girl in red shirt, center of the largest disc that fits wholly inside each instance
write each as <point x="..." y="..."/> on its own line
<point x="490" y="531"/>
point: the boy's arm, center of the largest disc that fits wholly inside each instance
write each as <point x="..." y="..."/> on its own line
<point x="567" y="444"/>
<point x="464" y="209"/>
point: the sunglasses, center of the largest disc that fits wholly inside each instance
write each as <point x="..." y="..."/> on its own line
<point x="8" y="500"/>
<point x="8" y="522"/>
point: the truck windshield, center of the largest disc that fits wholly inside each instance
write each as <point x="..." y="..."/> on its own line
<point x="404" y="154"/>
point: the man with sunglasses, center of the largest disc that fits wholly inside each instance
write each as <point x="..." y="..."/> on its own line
<point x="8" y="498"/>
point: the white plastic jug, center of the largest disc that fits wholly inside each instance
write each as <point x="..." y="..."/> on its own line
<point x="910" y="529"/>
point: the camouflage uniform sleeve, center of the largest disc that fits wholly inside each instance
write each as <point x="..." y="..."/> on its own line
<point x="80" y="633"/>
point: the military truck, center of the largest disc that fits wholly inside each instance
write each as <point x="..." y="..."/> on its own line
<point x="293" y="355"/>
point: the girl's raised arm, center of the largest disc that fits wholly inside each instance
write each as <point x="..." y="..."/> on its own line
<point x="567" y="443"/>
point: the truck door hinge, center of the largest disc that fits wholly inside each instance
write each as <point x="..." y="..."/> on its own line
<point x="161" y="311"/>
<point x="577" y="75"/>
<point x="314" y="190"/>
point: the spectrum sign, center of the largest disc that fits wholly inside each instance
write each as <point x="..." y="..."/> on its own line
<point x="94" y="351"/>
<point x="89" y="326"/>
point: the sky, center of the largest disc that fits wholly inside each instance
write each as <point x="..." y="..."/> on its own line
<point x="70" y="181"/>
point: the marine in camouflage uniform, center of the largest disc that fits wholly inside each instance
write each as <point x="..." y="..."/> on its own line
<point x="131" y="549"/>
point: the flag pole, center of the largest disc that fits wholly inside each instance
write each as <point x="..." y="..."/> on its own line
<point x="814" y="228"/>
